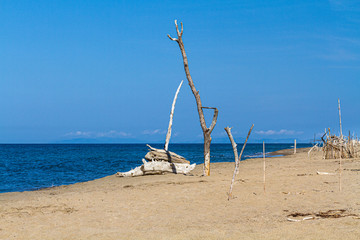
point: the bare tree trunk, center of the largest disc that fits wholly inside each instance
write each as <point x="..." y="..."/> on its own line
<point x="237" y="158"/>
<point x="168" y="134"/>
<point x="207" y="142"/>
<point x="206" y="131"/>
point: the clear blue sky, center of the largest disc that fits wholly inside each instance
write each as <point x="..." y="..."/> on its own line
<point x="105" y="70"/>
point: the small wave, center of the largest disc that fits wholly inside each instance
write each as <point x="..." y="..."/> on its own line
<point x="260" y="155"/>
<point x="256" y="155"/>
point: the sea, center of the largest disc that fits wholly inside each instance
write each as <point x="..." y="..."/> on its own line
<point x="28" y="167"/>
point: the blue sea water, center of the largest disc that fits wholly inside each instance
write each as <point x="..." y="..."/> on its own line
<point x="25" y="167"/>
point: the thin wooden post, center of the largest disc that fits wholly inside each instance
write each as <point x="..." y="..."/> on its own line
<point x="341" y="135"/>
<point x="340" y="169"/>
<point x="295" y="146"/>
<point x="264" y="167"/>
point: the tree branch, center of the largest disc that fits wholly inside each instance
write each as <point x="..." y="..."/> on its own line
<point x="237" y="158"/>
<point x="172" y="39"/>
<point x="168" y="134"/>
<point x="242" y="150"/>
<point x="213" y="123"/>
<point x="233" y="143"/>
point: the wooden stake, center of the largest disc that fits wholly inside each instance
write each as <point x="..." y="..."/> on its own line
<point x="168" y="134"/>
<point x="237" y="158"/>
<point x="264" y="167"/>
<point x="341" y="135"/>
<point x="295" y="146"/>
<point x="340" y="168"/>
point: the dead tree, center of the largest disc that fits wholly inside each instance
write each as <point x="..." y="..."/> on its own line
<point x="237" y="158"/>
<point x="206" y="130"/>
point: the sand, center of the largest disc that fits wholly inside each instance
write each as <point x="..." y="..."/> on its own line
<point x="195" y="207"/>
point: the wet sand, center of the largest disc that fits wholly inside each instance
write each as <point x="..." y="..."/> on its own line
<point x="195" y="207"/>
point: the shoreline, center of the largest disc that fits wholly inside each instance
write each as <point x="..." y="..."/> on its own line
<point x="289" y="151"/>
<point x="173" y="206"/>
<point x="278" y="153"/>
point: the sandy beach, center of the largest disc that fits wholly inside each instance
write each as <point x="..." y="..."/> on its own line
<point x="195" y="207"/>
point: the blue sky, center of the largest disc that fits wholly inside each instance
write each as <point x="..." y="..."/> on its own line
<point x="105" y="71"/>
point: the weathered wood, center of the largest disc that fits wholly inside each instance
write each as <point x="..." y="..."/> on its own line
<point x="168" y="134"/>
<point x="237" y="158"/>
<point x="340" y="146"/>
<point x="341" y="135"/>
<point x="315" y="147"/>
<point x="264" y="180"/>
<point x="206" y="131"/>
<point x="340" y="169"/>
<point x="161" y="155"/>
<point x="243" y="148"/>
<point x="158" y="167"/>
<point x="234" y="146"/>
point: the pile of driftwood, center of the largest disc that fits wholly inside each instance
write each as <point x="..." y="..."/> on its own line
<point x="160" y="161"/>
<point x="340" y="146"/>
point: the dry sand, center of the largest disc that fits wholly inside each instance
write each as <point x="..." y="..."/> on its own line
<point x="194" y="207"/>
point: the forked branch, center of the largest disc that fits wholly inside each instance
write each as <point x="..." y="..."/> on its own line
<point x="213" y="122"/>
<point x="179" y="33"/>
<point x="237" y="158"/>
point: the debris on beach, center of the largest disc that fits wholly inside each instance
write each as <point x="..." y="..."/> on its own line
<point x="159" y="162"/>
<point x="161" y="155"/>
<point x="340" y="146"/>
<point x="337" y="213"/>
<point x="324" y="173"/>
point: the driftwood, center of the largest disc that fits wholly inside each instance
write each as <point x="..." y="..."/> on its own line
<point x="158" y="167"/>
<point x="339" y="146"/>
<point x="314" y="148"/>
<point x="324" y="173"/>
<point x="206" y="130"/>
<point x="161" y="155"/>
<point x="299" y="220"/>
<point x="237" y="158"/>
<point x="168" y="134"/>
